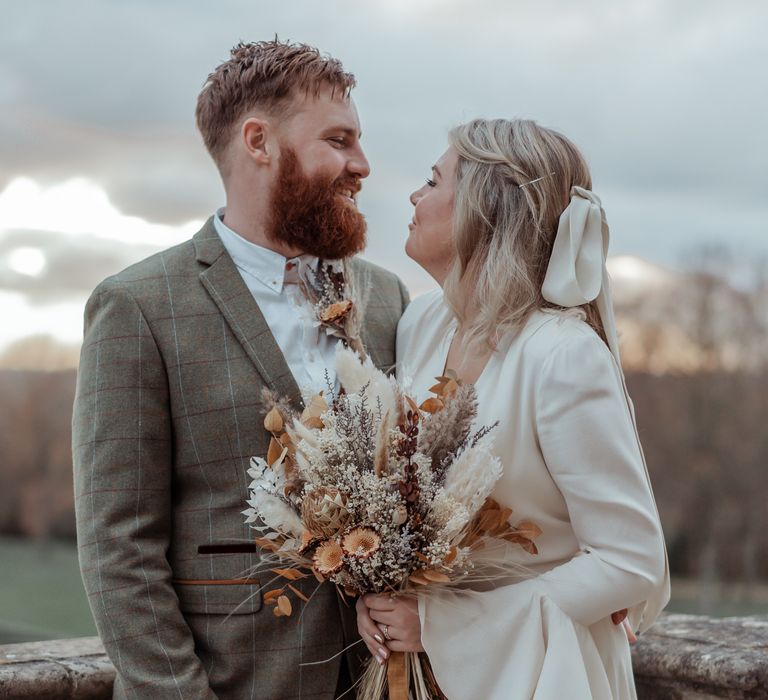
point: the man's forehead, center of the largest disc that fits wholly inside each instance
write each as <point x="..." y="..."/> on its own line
<point x="328" y="107"/>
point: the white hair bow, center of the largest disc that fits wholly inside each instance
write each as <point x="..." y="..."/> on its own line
<point x="577" y="273"/>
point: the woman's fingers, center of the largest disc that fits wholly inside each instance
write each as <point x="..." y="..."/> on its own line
<point x="379" y="602"/>
<point x="370" y="633"/>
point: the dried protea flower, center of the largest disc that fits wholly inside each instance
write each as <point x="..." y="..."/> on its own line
<point x="308" y="541"/>
<point x="324" y="512"/>
<point x="328" y="558"/>
<point x="361" y="542"/>
<point x="335" y="312"/>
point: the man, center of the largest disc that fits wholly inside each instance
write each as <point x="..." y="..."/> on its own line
<point x="177" y="352"/>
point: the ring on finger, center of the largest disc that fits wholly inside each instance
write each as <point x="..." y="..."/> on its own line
<point x="385" y="631"/>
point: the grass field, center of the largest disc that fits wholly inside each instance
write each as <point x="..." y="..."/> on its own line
<point x="42" y="596"/>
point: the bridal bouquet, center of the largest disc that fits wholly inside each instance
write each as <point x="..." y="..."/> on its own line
<point x="375" y="493"/>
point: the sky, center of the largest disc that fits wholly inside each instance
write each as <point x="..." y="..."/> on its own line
<point x="101" y="165"/>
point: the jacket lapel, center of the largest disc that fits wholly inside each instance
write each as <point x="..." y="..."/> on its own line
<point x="224" y="284"/>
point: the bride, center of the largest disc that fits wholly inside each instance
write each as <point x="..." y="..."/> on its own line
<point x="509" y="228"/>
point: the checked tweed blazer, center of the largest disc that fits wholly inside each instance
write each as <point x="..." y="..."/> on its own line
<point x="167" y="416"/>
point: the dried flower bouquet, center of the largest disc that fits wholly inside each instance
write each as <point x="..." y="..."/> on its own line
<point x="374" y="493"/>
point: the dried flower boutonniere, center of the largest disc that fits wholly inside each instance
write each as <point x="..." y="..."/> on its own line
<point x="333" y="302"/>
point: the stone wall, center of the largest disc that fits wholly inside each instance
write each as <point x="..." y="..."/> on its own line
<point x="682" y="657"/>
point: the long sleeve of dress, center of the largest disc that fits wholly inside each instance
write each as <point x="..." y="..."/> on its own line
<point x="536" y="631"/>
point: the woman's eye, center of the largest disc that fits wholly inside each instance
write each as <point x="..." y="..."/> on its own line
<point x="431" y="183"/>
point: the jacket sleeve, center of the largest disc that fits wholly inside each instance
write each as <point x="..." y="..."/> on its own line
<point x="589" y="443"/>
<point x="122" y="457"/>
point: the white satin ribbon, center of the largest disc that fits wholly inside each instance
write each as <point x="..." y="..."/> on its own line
<point x="577" y="273"/>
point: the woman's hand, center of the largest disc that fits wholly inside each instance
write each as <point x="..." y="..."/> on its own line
<point x="370" y="633"/>
<point x="396" y="618"/>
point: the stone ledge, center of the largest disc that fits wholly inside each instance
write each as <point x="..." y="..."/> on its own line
<point x="66" y="669"/>
<point x="682" y="657"/>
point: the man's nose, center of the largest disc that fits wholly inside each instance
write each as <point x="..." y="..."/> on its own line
<point x="358" y="164"/>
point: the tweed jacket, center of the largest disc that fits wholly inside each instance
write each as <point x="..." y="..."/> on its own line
<point x="167" y="415"/>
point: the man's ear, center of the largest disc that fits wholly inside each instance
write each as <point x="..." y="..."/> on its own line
<point x="254" y="134"/>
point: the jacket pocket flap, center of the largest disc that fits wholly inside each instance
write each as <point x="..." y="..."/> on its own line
<point x="219" y="598"/>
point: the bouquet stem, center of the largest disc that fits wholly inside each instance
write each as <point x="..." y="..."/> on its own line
<point x="397" y="676"/>
<point x="405" y="676"/>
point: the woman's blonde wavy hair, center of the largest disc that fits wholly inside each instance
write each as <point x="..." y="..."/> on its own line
<point x="503" y="228"/>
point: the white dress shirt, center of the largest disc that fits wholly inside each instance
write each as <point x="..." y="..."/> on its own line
<point x="272" y="279"/>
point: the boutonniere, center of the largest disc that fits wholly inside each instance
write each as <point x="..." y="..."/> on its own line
<point x="333" y="302"/>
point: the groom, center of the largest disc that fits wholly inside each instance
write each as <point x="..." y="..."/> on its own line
<point x="177" y="352"/>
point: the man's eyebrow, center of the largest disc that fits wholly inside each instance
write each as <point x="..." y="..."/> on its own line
<point x="439" y="174"/>
<point x="348" y="130"/>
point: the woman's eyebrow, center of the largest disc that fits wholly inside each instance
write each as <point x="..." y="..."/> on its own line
<point x="439" y="174"/>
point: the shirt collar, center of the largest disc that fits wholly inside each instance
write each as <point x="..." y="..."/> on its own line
<point x="263" y="264"/>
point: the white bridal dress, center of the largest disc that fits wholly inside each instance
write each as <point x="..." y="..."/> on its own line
<point x="572" y="465"/>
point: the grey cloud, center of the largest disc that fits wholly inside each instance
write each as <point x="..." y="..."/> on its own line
<point x="662" y="97"/>
<point x="74" y="264"/>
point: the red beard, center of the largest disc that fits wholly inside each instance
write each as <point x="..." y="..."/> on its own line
<point x="309" y="215"/>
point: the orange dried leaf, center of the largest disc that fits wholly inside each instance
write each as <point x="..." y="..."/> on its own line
<point x="274" y="451"/>
<point x="422" y="557"/>
<point x="277" y="612"/>
<point x="290" y="574"/>
<point x="529" y="547"/>
<point x="412" y="404"/>
<point x="528" y="529"/>
<point x="298" y="593"/>
<point x="417" y="577"/>
<point x="314" y="422"/>
<point x="450" y="556"/>
<point x="432" y="405"/>
<point x="271" y="596"/>
<point x="488" y="520"/>
<point x="435" y="576"/>
<point x="285" y="605"/>
<point x="451" y="386"/>
<point x="504" y="515"/>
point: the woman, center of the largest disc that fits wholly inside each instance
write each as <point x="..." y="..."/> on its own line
<point x="510" y="230"/>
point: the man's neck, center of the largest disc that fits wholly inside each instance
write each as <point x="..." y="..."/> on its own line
<point x="250" y="225"/>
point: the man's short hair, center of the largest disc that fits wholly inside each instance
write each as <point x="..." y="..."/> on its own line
<point x="265" y="75"/>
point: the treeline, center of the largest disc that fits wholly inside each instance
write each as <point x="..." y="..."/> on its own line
<point x="703" y="434"/>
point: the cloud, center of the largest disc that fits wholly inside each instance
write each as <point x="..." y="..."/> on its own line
<point x="663" y="98"/>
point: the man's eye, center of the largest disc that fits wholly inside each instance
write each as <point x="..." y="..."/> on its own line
<point x="431" y="183"/>
<point x="339" y="141"/>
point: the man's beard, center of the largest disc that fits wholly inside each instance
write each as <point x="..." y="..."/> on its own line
<point x="308" y="213"/>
